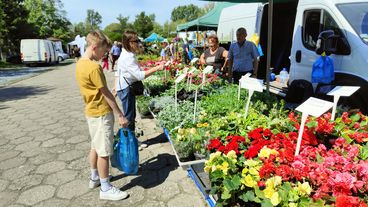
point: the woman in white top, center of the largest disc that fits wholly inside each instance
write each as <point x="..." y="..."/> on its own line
<point x="128" y="70"/>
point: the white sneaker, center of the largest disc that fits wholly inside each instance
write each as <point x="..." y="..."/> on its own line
<point x="96" y="183"/>
<point x="113" y="194"/>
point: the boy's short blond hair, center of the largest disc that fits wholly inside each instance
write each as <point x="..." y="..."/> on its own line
<point x="99" y="38"/>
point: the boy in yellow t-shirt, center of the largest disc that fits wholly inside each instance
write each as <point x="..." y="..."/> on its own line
<point x="98" y="110"/>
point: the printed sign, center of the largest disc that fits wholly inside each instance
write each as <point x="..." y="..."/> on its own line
<point x="208" y="69"/>
<point x="343" y="90"/>
<point x="194" y="60"/>
<point x="251" y="84"/>
<point x="314" y="106"/>
<point x="180" y="78"/>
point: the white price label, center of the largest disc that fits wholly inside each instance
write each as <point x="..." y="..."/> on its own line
<point x="343" y="90"/>
<point x="180" y="78"/>
<point x="194" y="60"/>
<point x="314" y="106"/>
<point x="251" y="84"/>
<point x="168" y="63"/>
<point x="208" y="69"/>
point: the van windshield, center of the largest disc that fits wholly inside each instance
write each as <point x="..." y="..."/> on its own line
<point x="357" y="15"/>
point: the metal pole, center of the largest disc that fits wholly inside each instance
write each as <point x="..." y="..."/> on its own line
<point x="269" y="44"/>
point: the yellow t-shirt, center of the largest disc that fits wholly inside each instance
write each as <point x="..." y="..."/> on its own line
<point x="90" y="78"/>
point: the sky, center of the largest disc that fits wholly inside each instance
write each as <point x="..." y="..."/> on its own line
<point x="110" y="9"/>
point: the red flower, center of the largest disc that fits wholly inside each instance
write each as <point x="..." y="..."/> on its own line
<point x="284" y="171"/>
<point x="267" y="133"/>
<point x="347" y="201"/>
<point x="232" y="146"/>
<point x="214" y="144"/>
<point x="267" y="170"/>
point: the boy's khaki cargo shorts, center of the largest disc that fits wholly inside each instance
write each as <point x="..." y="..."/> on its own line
<point x="101" y="130"/>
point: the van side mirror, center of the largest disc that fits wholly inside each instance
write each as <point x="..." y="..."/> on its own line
<point x="330" y="43"/>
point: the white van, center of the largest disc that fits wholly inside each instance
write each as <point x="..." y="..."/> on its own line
<point x="35" y="51"/>
<point x="296" y="27"/>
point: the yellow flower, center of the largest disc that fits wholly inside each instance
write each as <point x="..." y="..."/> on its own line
<point x="266" y="152"/>
<point x="248" y="181"/>
<point x="205" y="124"/>
<point x="251" y="163"/>
<point x="193" y="131"/>
<point x="225" y="167"/>
<point x="253" y="171"/>
<point x="304" y="189"/>
<point x="244" y="171"/>
<point x="273" y="182"/>
<point x="208" y="133"/>
<point x="199" y="125"/>
<point x="275" y="199"/>
<point x="231" y="154"/>
<point x="268" y="192"/>
<point x="207" y="168"/>
<point x="181" y="131"/>
<point x="293" y="205"/>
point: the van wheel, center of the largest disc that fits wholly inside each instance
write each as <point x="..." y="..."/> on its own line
<point x="60" y="59"/>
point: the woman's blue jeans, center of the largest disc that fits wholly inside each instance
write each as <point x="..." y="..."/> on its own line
<point x="128" y="104"/>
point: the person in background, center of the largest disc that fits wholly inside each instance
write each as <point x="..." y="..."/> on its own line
<point x="190" y="50"/>
<point x="185" y="53"/>
<point x="128" y="72"/>
<point x="214" y="55"/>
<point x="172" y="50"/>
<point x="99" y="107"/>
<point x="115" y="53"/>
<point x="243" y="56"/>
<point x="105" y="61"/>
<point x="164" y="49"/>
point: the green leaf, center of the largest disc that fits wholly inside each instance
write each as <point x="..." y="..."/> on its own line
<point x="319" y="158"/>
<point x="259" y="193"/>
<point x="266" y="203"/>
<point x="355" y="118"/>
<point x="225" y="195"/>
<point x="304" y="202"/>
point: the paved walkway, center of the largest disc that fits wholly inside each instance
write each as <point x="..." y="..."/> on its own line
<point x="44" y="144"/>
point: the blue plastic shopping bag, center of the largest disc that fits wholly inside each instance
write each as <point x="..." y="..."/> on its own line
<point x="126" y="157"/>
<point x="323" y="70"/>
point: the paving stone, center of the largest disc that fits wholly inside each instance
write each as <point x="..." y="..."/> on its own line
<point x="27" y="146"/>
<point x="185" y="200"/>
<point x="8" y="154"/>
<point x="42" y="158"/>
<point x="11" y="163"/>
<point x="7" y="198"/>
<point x="164" y="191"/>
<point x="79" y="164"/>
<point x="61" y="177"/>
<point x="41" y="135"/>
<point x="77" y="139"/>
<point x="50" y="167"/>
<point x="25" y="182"/>
<point x="83" y="146"/>
<point x="36" y="195"/>
<point x="3" y="184"/>
<point x="60" y="149"/>
<point x="18" y="172"/>
<point x="151" y="203"/>
<point x="73" y="189"/>
<point x="52" y="142"/>
<point x="71" y="155"/>
<point x="32" y="153"/>
<point x="92" y="199"/>
<point x="54" y="202"/>
<point x="3" y="141"/>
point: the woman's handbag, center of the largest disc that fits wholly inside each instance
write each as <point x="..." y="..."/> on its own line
<point x="125" y="157"/>
<point x="136" y="88"/>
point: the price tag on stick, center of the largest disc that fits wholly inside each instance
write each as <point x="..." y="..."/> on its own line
<point x="314" y="107"/>
<point x="252" y="84"/>
<point x="341" y="91"/>
<point x="178" y="80"/>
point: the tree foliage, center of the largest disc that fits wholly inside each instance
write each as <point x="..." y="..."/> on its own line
<point x="114" y="31"/>
<point x="186" y="13"/>
<point x="48" y="18"/>
<point x="93" y="20"/>
<point x="143" y="24"/>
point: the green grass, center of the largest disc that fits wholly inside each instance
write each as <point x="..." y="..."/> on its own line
<point x="5" y="65"/>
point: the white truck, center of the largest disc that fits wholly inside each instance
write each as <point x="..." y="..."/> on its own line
<point x="37" y="51"/>
<point x="296" y="27"/>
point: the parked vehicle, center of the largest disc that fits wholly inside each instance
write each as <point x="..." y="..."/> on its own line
<point x="37" y="51"/>
<point x="296" y="26"/>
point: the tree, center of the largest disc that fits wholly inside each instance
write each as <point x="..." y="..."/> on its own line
<point x="124" y="24"/>
<point x="186" y="13"/>
<point x="47" y="17"/>
<point x="80" y="29"/>
<point x="114" y="31"/>
<point x="13" y="25"/>
<point x="143" y="24"/>
<point x="93" y="20"/>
